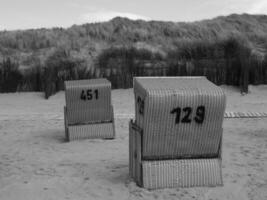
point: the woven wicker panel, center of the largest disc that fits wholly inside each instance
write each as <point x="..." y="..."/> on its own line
<point x="91" y="131"/>
<point x="131" y="151"/>
<point x="181" y="173"/>
<point x="135" y="153"/>
<point x="66" y="124"/>
<point x="88" y="100"/>
<point x="163" y="137"/>
<point x="138" y="158"/>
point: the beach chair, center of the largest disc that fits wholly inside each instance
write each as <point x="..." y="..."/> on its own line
<point x="88" y="112"/>
<point x="176" y="137"/>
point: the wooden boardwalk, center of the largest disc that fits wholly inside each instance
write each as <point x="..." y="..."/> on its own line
<point x="245" y="114"/>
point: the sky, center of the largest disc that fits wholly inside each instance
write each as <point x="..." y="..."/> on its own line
<point x="25" y="14"/>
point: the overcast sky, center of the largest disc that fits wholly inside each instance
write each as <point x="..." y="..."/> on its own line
<point x="24" y="14"/>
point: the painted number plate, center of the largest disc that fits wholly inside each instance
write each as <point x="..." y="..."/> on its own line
<point x="89" y="94"/>
<point x="189" y="115"/>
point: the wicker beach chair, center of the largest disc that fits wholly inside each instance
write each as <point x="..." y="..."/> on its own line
<point x="175" y="140"/>
<point x="88" y="112"/>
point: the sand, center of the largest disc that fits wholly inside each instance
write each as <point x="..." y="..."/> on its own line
<point x="37" y="163"/>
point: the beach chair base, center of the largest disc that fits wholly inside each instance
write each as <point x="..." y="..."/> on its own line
<point x="102" y="130"/>
<point x="156" y="174"/>
<point x="181" y="173"/>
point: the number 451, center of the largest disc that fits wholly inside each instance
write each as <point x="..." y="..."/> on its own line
<point x="187" y="111"/>
<point x="89" y="94"/>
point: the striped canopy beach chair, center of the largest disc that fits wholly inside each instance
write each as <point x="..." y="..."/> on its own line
<point x="175" y="139"/>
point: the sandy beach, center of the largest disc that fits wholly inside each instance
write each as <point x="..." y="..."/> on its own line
<point x="37" y="163"/>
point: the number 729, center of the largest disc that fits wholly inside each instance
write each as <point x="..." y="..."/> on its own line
<point x="187" y="111"/>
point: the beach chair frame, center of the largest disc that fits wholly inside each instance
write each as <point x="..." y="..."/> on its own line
<point x="169" y="166"/>
<point x="88" y="119"/>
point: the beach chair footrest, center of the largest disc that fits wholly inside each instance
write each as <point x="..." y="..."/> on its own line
<point x="181" y="173"/>
<point x="91" y="131"/>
